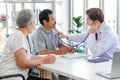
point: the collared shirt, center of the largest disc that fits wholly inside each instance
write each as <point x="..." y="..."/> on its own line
<point x="106" y="44"/>
<point x="43" y="39"/>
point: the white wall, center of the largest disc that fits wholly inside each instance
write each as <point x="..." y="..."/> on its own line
<point x="118" y="16"/>
<point x="63" y="16"/>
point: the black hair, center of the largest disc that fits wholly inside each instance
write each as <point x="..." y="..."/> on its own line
<point x="43" y="15"/>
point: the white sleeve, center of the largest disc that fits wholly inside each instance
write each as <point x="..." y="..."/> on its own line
<point x="17" y="43"/>
<point x="79" y="37"/>
<point x="20" y="42"/>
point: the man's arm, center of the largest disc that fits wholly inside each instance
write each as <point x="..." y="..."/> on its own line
<point x="61" y="50"/>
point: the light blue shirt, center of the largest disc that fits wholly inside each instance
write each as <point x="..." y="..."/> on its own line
<point x="43" y="39"/>
<point x="106" y="44"/>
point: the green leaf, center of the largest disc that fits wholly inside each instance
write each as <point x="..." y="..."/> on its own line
<point x="78" y="23"/>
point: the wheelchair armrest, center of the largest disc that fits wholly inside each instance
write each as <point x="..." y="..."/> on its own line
<point x="12" y="75"/>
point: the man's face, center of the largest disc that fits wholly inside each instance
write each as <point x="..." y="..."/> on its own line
<point x="51" y="23"/>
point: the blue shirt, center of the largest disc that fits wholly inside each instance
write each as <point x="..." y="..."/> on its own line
<point x="106" y="44"/>
<point x="43" y="39"/>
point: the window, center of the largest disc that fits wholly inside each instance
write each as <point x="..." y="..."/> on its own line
<point x="12" y="7"/>
<point x="110" y="10"/>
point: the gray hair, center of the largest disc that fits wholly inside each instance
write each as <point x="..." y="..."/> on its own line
<point x="24" y="17"/>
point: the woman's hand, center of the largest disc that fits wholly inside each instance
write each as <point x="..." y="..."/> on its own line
<point x="49" y="59"/>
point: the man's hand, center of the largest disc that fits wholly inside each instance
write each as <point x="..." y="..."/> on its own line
<point x="46" y="51"/>
<point x="71" y="49"/>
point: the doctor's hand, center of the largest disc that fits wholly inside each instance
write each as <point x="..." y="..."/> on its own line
<point x="61" y="35"/>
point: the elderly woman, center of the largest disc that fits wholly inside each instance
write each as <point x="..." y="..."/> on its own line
<point x="16" y="57"/>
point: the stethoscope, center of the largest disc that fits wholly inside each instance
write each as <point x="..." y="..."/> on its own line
<point x="70" y="44"/>
<point x="74" y="45"/>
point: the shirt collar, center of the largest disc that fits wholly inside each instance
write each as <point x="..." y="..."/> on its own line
<point x="101" y="28"/>
<point x="48" y="32"/>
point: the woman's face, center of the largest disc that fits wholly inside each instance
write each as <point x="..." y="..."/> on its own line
<point x="31" y="27"/>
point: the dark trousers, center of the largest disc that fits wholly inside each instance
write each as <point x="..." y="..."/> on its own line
<point x="34" y="77"/>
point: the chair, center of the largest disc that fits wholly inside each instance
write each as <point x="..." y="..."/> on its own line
<point x="12" y="75"/>
<point x="31" y="77"/>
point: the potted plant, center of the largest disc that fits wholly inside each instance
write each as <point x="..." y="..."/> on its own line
<point x="78" y="24"/>
<point x="3" y="20"/>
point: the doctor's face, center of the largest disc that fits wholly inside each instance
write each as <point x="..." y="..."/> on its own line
<point x="89" y="21"/>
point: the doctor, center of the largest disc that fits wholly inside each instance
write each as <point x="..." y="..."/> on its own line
<point x="102" y="40"/>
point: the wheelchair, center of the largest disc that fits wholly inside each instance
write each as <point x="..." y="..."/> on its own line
<point x="12" y="75"/>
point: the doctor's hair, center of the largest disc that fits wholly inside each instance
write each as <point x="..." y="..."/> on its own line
<point x="95" y="14"/>
<point x="24" y="18"/>
<point x="44" y="15"/>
